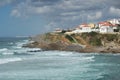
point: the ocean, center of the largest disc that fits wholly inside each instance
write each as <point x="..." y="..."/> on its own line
<point x="18" y="63"/>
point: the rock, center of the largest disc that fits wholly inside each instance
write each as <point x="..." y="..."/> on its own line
<point x="78" y="43"/>
<point x="73" y="47"/>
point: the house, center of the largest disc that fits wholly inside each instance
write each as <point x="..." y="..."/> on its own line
<point x="83" y="28"/>
<point x="116" y="24"/>
<point x="105" y="27"/>
<point x="92" y="25"/>
<point x="77" y="30"/>
<point x="114" y="21"/>
<point x="58" y="30"/>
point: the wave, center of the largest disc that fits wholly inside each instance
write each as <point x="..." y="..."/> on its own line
<point x="3" y="49"/>
<point x="7" y="53"/>
<point x="22" y="51"/>
<point x="65" y="54"/>
<point x="7" y="60"/>
<point x="17" y="53"/>
<point x="11" y="43"/>
<point x="19" y="44"/>
<point x="91" y="58"/>
<point x="27" y="50"/>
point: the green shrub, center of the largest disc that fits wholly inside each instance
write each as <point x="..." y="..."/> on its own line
<point x="110" y="37"/>
<point x="70" y="38"/>
<point x="92" y="38"/>
<point x="95" y="42"/>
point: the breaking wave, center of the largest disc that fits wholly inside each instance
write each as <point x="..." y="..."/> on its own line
<point x="3" y="49"/>
<point x="7" y="60"/>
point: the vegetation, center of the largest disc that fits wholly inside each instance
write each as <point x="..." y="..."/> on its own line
<point x="70" y="38"/>
<point x="109" y="37"/>
<point x="95" y="39"/>
<point x="92" y="38"/>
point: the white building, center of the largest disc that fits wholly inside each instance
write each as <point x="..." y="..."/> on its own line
<point x="105" y="27"/>
<point x="82" y="28"/>
<point x="114" y="21"/>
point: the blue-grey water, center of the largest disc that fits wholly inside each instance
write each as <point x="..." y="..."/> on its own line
<point x="17" y="63"/>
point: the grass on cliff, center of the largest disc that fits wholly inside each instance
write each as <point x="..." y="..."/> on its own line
<point x="70" y="38"/>
<point x="111" y="37"/>
<point x="95" y="39"/>
<point x="92" y="38"/>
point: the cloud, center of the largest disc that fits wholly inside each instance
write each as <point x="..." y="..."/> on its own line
<point x="95" y="16"/>
<point x="114" y="11"/>
<point x="4" y="2"/>
<point x="50" y="26"/>
<point x="41" y="10"/>
<point x="66" y="12"/>
<point x="16" y="13"/>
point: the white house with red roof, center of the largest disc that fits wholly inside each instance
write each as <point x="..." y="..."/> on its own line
<point x="83" y="28"/>
<point x="109" y="26"/>
<point x="105" y="27"/>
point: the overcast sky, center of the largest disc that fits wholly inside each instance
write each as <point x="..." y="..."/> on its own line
<point x="31" y="17"/>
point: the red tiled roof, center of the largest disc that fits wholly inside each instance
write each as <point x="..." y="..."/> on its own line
<point x="84" y="25"/>
<point x="115" y="25"/>
<point x="105" y="23"/>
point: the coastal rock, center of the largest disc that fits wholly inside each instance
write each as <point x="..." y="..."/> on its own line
<point x="85" y="43"/>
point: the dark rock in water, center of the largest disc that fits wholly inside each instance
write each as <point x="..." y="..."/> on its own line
<point x="17" y="53"/>
<point x="35" y="51"/>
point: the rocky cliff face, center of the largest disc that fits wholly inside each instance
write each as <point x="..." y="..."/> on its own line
<point x="85" y="42"/>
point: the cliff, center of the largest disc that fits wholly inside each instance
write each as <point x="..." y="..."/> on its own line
<point x="85" y="42"/>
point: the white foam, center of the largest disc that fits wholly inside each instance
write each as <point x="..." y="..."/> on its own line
<point x="7" y="53"/>
<point x="65" y="54"/>
<point x="32" y="49"/>
<point x="7" y="60"/>
<point x="19" y="49"/>
<point x="20" y="44"/>
<point x="3" y="49"/>
<point x="87" y="58"/>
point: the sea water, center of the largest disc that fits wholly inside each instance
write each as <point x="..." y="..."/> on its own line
<point x="18" y="63"/>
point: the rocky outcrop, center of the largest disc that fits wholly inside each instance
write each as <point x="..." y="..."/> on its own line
<point x="86" y="43"/>
<point x="59" y="45"/>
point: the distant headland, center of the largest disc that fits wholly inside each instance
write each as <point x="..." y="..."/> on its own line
<point x="103" y="37"/>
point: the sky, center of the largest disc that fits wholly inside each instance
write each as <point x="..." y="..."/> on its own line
<point x="32" y="17"/>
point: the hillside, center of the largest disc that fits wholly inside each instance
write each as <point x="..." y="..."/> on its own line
<point x="85" y="42"/>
